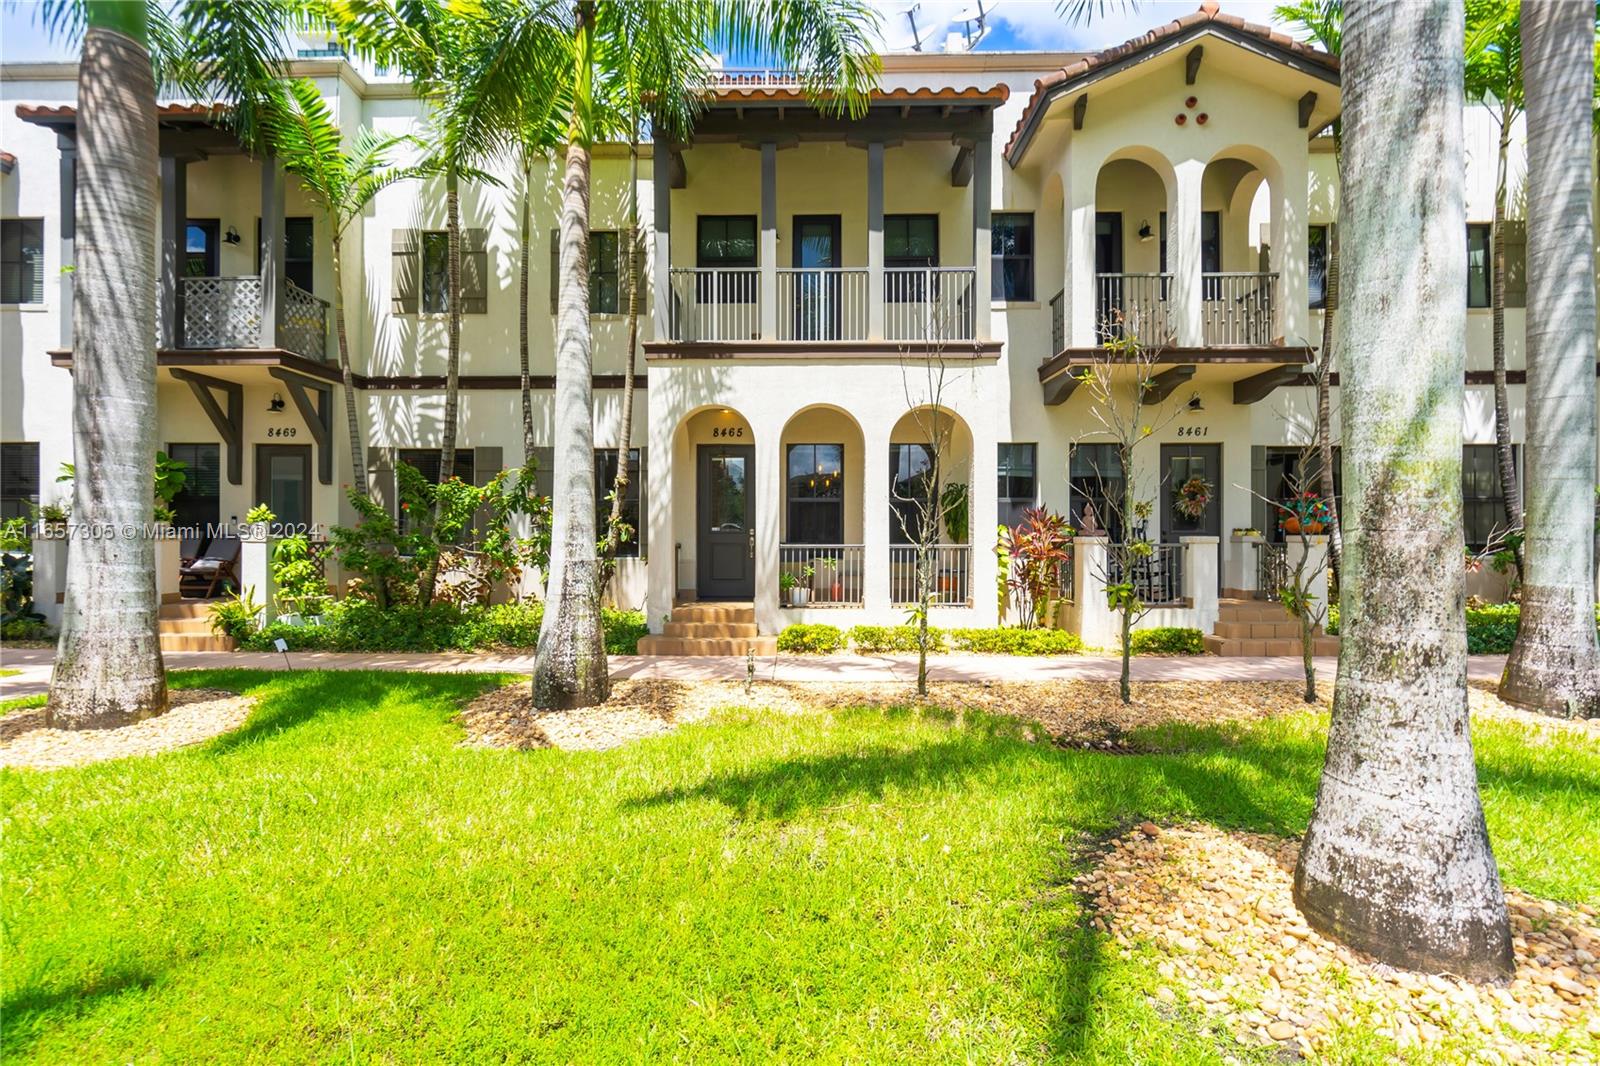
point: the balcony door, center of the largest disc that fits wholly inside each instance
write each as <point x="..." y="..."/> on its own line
<point x="817" y="285"/>
<point x="725" y="549"/>
<point x="1108" y="268"/>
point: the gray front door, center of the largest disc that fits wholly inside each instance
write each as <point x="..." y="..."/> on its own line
<point x="725" y="553"/>
<point x="1179" y="463"/>
<point x="283" y="483"/>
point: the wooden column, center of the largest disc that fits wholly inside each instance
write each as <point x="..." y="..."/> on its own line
<point x="661" y="274"/>
<point x="875" y="291"/>
<point x="769" y="241"/>
<point x="67" y="175"/>
<point x="982" y="249"/>
<point x="174" y="247"/>
<point x="272" y="231"/>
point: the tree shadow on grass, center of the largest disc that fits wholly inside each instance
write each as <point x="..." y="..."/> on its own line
<point x="27" y="1011"/>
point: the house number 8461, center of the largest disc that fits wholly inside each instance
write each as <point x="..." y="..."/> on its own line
<point x="1194" y="431"/>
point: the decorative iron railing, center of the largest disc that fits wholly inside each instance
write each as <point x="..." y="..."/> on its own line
<point x="304" y="330"/>
<point x="929" y="304"/>
<point x="1058" y="322"/>
<point x="822" y="303"/>
<point x="950" y="572"/>
<point x="221" y="312"/>
<point x="715" y="303"/>
<point x="1157" y="578"/>
<point x="1238" y="308"/>
<point x="835" y="576"/>
<point x="1272" y="569"/>
<point x="1135" y="305"/>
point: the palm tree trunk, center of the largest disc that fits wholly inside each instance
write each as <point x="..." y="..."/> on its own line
<point x="572" y="670"/>
<point x="525" y="382"/>
<point x="619" y="488"/>
<point x="358" y="458"/>
<point x="1325" y="479"/>
<point x="452" y="372"/>
<point x="1555" y="664"/>
<point x="1396" y="861"/>
<point x="1509" y="493"/>
<point x="108" y="667"/>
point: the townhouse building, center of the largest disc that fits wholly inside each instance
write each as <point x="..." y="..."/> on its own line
<point x="818" y="290"/>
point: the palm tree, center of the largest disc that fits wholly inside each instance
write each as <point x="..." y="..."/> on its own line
<point x="627" y="55"/>
<point x="1494" y="77"/>
<point x="307" y="140"/>
<point x="1555" y="663"/>
<point x="1396" y="861"/>
<point x="1323" y="22"/>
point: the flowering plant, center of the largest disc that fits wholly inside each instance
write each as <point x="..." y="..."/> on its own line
<point x="1308" y="507"/>
<point x="1193" y="496"/>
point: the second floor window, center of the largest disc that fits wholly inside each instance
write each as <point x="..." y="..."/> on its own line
<point x="420" y="275"/>
<point x="1480" y="267"/>
<point x="1317" y="265"/>
<point x="299" y="251"/>
<point x="909" y="241"/>
<point x="1011" y="242"/>
<point x="435" y="273"/>
<point x="21" y="261"/>
<point x="604" y="289"/>
<point x="727" y="241"/>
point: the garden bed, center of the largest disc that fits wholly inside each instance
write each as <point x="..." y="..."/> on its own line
<point x="193" y="717"/>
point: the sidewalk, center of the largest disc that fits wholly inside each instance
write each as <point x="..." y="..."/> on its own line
<point x="34" y="664"/>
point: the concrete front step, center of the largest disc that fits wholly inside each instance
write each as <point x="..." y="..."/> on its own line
<point x="1279" y="630"/>
<point x="712" y="611"/>
<point x="187" y="609"/>
<point x="182" y="626"/>
<point x="712" y="630"/>
<point x="654" y="645"/>
<point x="195" y="642"/>
<point x="1239" y="646"/>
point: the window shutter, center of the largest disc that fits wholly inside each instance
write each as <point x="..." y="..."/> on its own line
<point x="406" y="246"/>
<point x="1258" y="487"/>
<point x="475" y="272"/>
<point x="639" y="478"/>
<point x="555" y="270"/>
<point x="486" y="463"/>
<point x="544" y="476"/>
<point x="1514" y="239"/>
<point x="381" y="479"/>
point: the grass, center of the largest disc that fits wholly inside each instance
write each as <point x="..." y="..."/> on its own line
<point x="341" y="879"/>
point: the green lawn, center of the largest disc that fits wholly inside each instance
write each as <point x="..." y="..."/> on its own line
<point x="341" y="881"/>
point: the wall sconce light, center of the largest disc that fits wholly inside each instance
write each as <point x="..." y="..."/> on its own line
<point x="276" y="406"/>
<point x="232" y="236"/>
<point x="1195" y="403"/>
<point x="1145" y="232"/>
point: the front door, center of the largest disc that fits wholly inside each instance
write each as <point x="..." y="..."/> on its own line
<point x="725" y="551"/>
<point x="283" y="483"/>
<point x="816" y="291"/>
<point x="1179" y="464"/>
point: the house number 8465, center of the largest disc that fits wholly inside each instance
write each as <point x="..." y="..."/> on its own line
<point x="728" y="431"/>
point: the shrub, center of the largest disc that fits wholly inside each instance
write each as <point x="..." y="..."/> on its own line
<point x="1167" y="640"/>
<point x="1008" y="641"/>
<point x="25" y="629"/>
<point x="1491" y="627"/>
<point x="870" y="640"/>
<point x="623" y="630"/>
<point x="816" y="639"/>
<point x="236" y="617"/>
<point x="299" y="583"/>
<point x="361" y="625"/>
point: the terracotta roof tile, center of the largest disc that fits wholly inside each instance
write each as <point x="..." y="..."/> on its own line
<point x="1208" y="14"/>
<point x="45" y="113"/>
<point x="8" y="162"/>
<point x="735" y="92"/>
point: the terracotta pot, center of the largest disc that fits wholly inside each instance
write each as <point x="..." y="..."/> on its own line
<point x="1313" y="527"/>
<point x="1291" y="525"/>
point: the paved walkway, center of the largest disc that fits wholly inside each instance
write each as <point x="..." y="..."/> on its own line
<point x="34" y="664"/>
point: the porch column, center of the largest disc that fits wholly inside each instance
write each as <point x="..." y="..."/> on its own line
<point x="1096" y="624"/>
<point x="1078" y="208"/>
<point x="1292" y="297"/>
<point x="982" y="522"/>
<point x="769" y="241"/>
<point x="255" y="569"/>
<point x="1183" y="253"/>
<point x="272" y="236"/>
<point x="661" y="221"/>
<point x="174" y="247"/>
<point x="768" y="501"/>
<point x="875" y="517"/>
<point x="50" y="546"/>
<point x="67" y="176"/>
<point x="875" y="290"/>
<point x="661" y="565"/>
<point x="982" y="249"/>
<point x="1200" y="579"/>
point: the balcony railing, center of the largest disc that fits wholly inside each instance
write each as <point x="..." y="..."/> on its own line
<point x="1157" y="578"/>
<point x="952" y="571"/>
<point x="716" y="304"/>
<point x="226" y="313"/>
<point x="1135" y="305"/>
<point x="1058" y="322"/>
<point x="929" y="304"/>
<point x="1238" y="308"/>
<point x="822" y="303"/>
<point x="836" y="572"/>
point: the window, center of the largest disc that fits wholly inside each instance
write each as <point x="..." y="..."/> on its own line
<point x="435" y="273"/>
<point x="1019" y="481"/>
<point x="1480" y="270"/>
<point x="816" y="494"/>
<point x="1483" y="510"/>
<point x="22" y="261"/>
<point x="420" y="272"/>
<point x="1011" y="242"/>
<point x="1286" y="469"/>
<point x="299" y="251"/>
<point x="910" y="488"/>
<point x="1094" y="476"/>
<point x="201" y="246"/>
<point x="726" y="241"/>
<point x="199" y="504"/>
<point x="603" y="288"/>
<point x="1317" y="265"/>
<point x="909" y="241"/>
<point x="605" y="478"/>
<point x="426" y="463"/>
<point x="19" y="479"/>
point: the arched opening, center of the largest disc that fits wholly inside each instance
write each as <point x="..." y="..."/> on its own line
<point x="1240" y="191"/>
<point x="821" y="556"/>
<point x="1133" y="282"/>
<point x="930" y="495"/>
<point x="713" y="509"/>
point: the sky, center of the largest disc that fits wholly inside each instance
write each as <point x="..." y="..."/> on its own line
<point x="1017" y="24"/>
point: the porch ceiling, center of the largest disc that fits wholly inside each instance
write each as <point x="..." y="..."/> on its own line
<point x="1251" y="370"/>
<point x="243" y="366"/>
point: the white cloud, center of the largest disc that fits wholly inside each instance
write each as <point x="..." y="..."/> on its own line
<point x="1038" y="24"/>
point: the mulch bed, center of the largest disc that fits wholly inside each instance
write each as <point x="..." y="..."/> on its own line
<point x="1218" y="909"/>
<point x="193" y="717"/>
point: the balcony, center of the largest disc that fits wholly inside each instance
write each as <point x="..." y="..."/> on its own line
<point x="227" y="313"/>
<point x="1236" y="310"/>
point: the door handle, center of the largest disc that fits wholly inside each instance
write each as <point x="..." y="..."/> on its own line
<point x="752" y="541"/>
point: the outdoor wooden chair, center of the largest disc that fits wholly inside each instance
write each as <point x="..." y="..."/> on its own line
<point x="215" y="568"/>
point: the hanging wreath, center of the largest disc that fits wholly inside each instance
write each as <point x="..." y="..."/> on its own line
<point x="1193" y="497"/>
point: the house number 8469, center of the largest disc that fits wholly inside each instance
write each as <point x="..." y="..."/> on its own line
<point x="281" y="431"/>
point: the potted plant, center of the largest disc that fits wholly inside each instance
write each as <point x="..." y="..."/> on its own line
<point x="828" y="585"/>
<point x="795" y="585"/>
<point x="1306" y="511"/>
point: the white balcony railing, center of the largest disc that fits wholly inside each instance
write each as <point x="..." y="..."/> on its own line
<point x="822" y="303"/>
<point x="835" y="576"/>
<point x="716" y="304"/>
<point x="1238" y="308"/>
<point x="952" y="572"/>
<point x="226" y="313"/>
<point x="1135" y="305"/>
<point x="929" y="304"/>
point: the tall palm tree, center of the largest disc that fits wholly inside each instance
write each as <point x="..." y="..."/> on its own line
<point x="625" y="55"/>
<point x="307" y="140"/>
<point x="1396" y="861"/>
<point x="1555" y="662"/>
<point x="1494" y="77"/>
